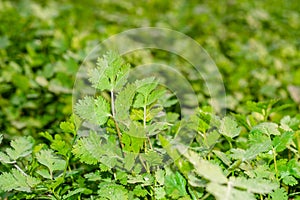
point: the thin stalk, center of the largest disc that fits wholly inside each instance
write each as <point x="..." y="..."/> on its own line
<point x="144" y="123"/>
<point x="294" y="194"/>
<point x="112" y="99"/>
<point x="143" y="163"/>
<point x="69" y="154"/>
<point x="229" y="188"/>
<point x="205" y="196"/>
<point x="54" y="193"/>
<point x="230" y="143"/>
<point x="145" y="116"/>
<point x="275" y="163"/>
<point x="18" y="168"/>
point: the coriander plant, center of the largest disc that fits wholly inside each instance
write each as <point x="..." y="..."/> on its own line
<point x="127" y="156"/>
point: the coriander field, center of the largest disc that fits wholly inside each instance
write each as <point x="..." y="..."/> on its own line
<point x="150" y="99"/>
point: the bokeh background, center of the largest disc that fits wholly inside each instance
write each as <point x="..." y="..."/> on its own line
<point x="255" y="45"/>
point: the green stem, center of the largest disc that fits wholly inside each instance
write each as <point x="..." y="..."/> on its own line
<point x="144" y="165"/>
<point x="19" y="169"/>
<point x="69" y="154"/>
<point x="230" y="144"/>
<point x="145" y="116"/>
<point x="205" y="196"/>
<point x="275" y="162"/>
<point x="54" y="193"/>
<point x="112" y="100"/>
<point x="144" y="123"/>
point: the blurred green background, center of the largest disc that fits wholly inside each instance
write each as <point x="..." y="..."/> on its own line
<point x="255" y="44"/>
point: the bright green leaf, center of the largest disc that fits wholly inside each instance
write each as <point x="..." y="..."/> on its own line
<point x="96" y="110"/>
<point x="15" y="180"/>
<point x="268" y="128"/>
<point x="50" y="160"/>
<point x="175" y="185"/>
<point x="229" y="127"/>
<point x="279" y="194"/>
<point x="21" y="147"/>
<point x="228" y="192"/>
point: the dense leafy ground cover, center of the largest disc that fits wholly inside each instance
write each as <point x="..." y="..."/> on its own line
<point x="251" y="153"/>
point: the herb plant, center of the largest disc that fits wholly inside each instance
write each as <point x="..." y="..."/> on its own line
<point x="232" y="157"/>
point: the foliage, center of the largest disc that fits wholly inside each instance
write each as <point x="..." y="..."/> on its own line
<point x="124" y="159"/>
<point x="251" y="153"/>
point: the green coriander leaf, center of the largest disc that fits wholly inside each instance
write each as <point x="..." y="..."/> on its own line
<point x="112" y="62"/>
<point x="139" y="101"/>
<point x="132" y="144"/>
<point x="146" y="92"/>
<point x="60" y="145"/>
<point x="99" y="80"/>
<point x="264" y="171"/>
<point x="122" y="177"/>
<point x="139" y="191"/>
<point x="129" y="160"/>
<point x="289" y="124"/>
<point x="21" y="147"/>
<point x="223" y="157"/>
<point x="159" y="193"/>
<point x="112" y="191"/>
<point x="281" y="142"/>
<point x="155" y="95"/>
<point x="152" y="113"/>
<point x="175" y="185"/>
<point x="212" y="138"/>
<point x="96" y="110"/>
<point x="135" y="179"/>
<point x="259" y="143"/>
<point x="156" y="128"/>
<point x="209" y="171"/>
<point x="77" y="192"/>
<point x="289" y="180"/>
<point x="256" y="149"/>
<point x="5" y="158"/>
<point x="152" y="157"/>
<point x="44" y="173"/>
<point x="160" y="176"/>
<point x="146" y="86"/>
<point x="268" y="128"/>
<point x="205" y="168"/>
<point x="167" y="100"/>
<point x="294" y="167"/>
<point x="260" y="186"/>
<point x="122" y="77"/>
<point x="237" y="154"/>
<point x="46" y="135"/>
<point x="221" y="192"/>
<point x="89" y="149"/>
<point x="123" y="102"/>
<point x="279" y="194"/>
<point x="67" y="127"/>
<point x="93" y="176"/>
<point x="104" y="168"/>
<point x="15" y="180"/>
<point x="50" y="160"/>
<point x="229" y="127"/>
<point x="183" y="165"/>
<point x="148" y="179"/>
<point x="110" y="74"/>
<point x="137" y="114"/>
